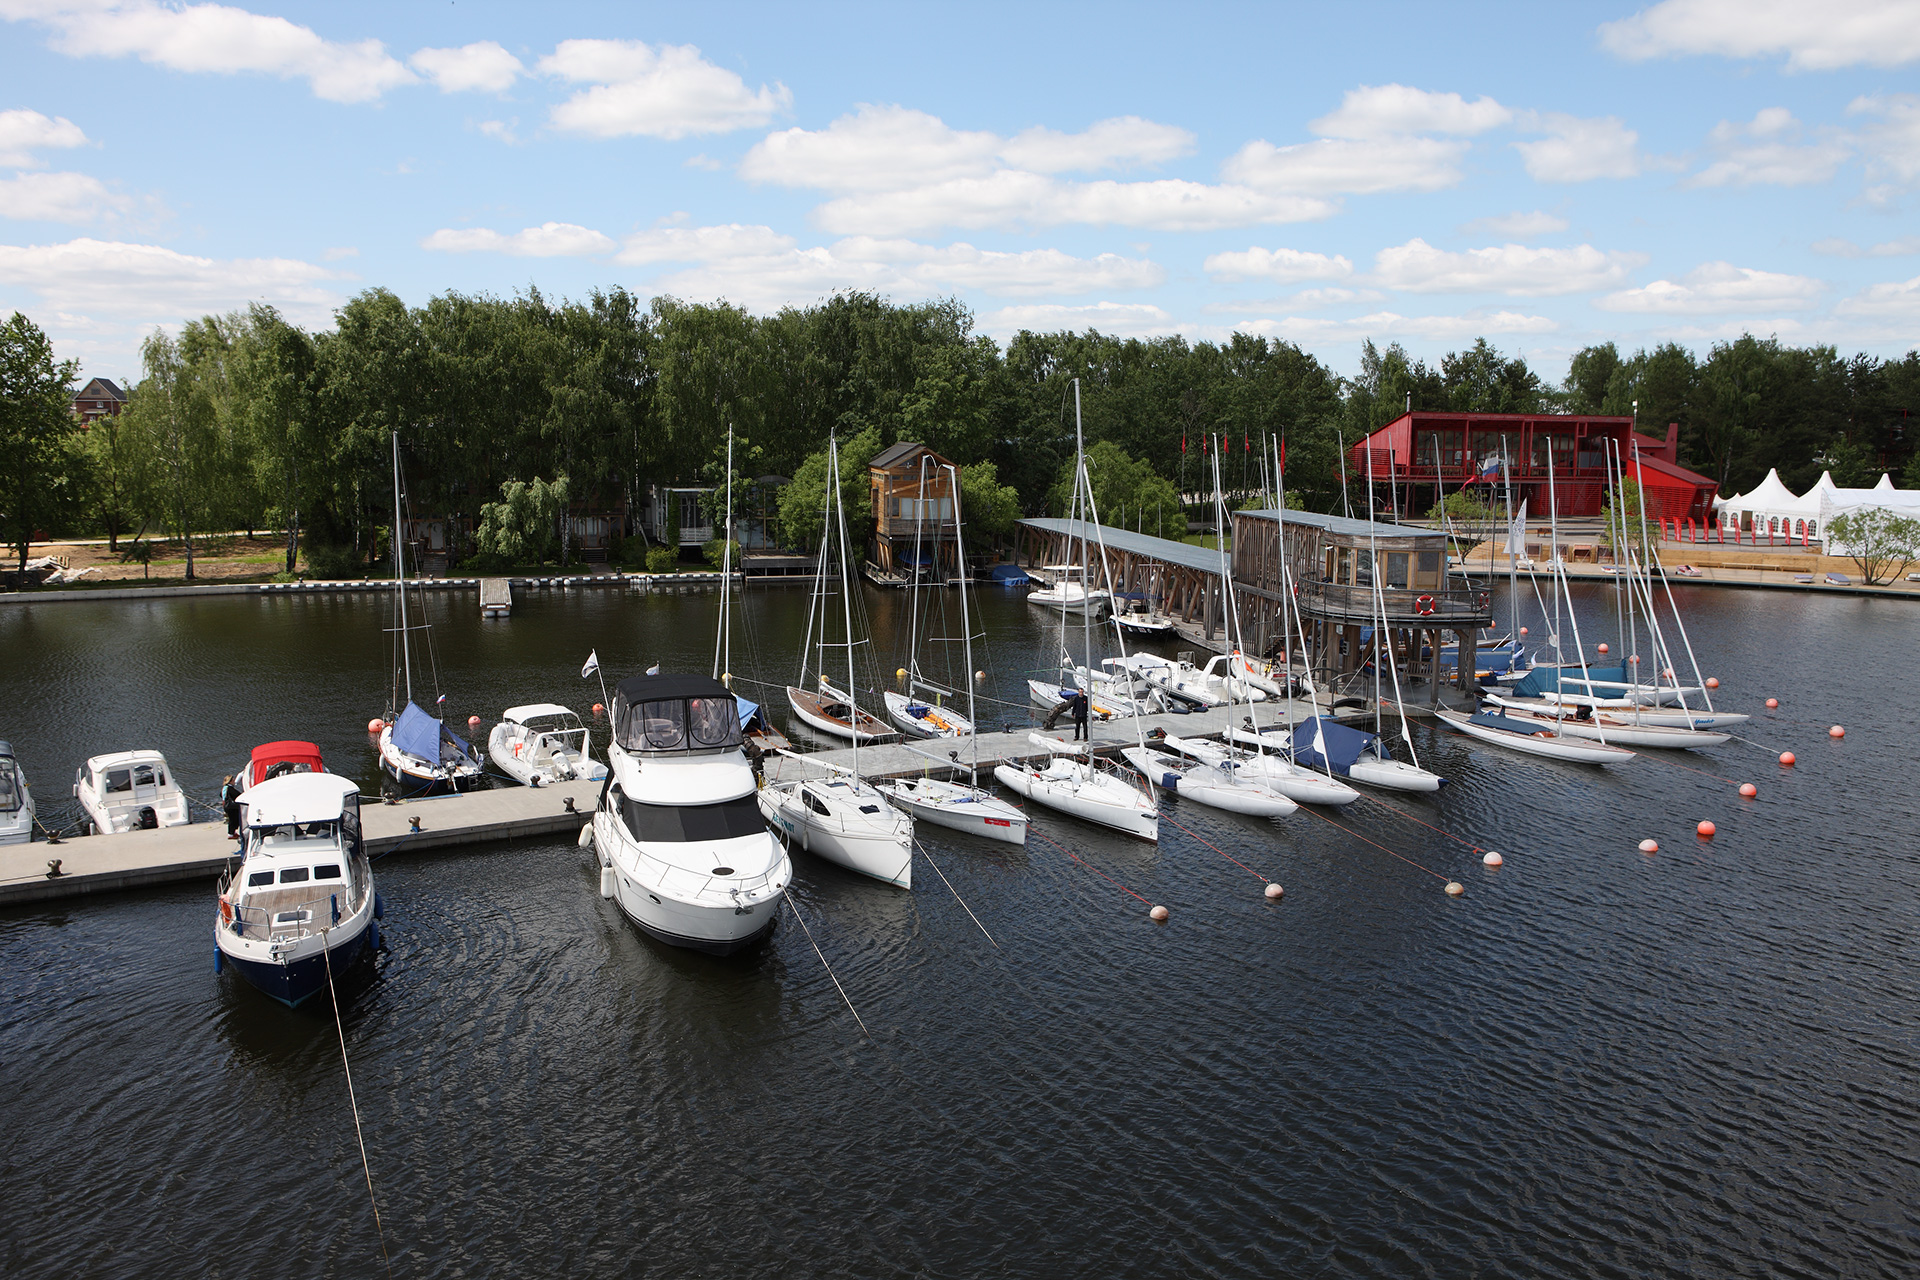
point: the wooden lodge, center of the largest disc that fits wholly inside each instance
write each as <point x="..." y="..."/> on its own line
<point x="912" y="494"/>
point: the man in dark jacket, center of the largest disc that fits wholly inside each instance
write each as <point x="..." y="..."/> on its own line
<point x="1080" y="717"/>
<point x="230" y="801"/>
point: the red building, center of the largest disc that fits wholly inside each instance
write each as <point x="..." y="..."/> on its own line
<point x="100" y="398"/>
<point x="1418" y="454"/>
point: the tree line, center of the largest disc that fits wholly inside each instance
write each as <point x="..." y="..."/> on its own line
<point x="506" y="406"/>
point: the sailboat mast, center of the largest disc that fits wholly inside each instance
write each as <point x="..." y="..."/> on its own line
<point x="966" y="626"/>
<point x="723" y="642"/>
<point x="399" y="572"/>
<point x="1083" y="511"/>
<point x="1373" y="554"/>
<point x="913" y="586"/>
<point x="846" y="609"/>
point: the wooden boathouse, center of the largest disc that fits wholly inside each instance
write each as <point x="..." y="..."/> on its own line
<point x="1334" y="563"/>
<point x="1181" y="579"/>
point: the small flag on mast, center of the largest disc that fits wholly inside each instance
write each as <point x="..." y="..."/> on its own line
<point x="593" y="664"/>
<point x="1517" y="532"/>
<point x="654" y="670"/>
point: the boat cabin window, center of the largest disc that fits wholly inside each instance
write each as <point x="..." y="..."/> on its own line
<point x="680" y="724"/>
<point x="727" y="820"/>
<point x="814" y="802"/>
<point x="294" y="875"/>
<point x="713" y="721"/>
<point x="118" y="780"/>
<point x="9" y="788"/>
<point x="327" y="871"/>
<point x="257" y="878"/>
<point x="145" y="775"/>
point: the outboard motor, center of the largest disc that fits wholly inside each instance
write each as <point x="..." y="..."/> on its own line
<point x="149" y="820"/>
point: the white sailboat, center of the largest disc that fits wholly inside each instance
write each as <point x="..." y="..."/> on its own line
<point x="962" y="807"/>
<point x="842" y="817"/>
<point x="923" y="716"/>
<point x="1217" y="786"/>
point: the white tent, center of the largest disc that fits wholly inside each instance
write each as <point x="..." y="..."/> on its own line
<point x="1835" y="501"/>
<point x="1771" y="508"/>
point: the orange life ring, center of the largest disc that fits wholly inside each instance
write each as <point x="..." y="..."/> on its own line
<point x="1423" y="605"/>
<point x="226" y="910"/>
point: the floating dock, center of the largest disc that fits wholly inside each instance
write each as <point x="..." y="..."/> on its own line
<point x="201" y="850"/>
<point x="496" y="597"/>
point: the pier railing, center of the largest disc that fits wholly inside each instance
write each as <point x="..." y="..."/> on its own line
<point x="1448" y="607"/>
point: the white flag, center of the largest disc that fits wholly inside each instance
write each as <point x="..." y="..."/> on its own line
<point x="1517" y="532"/>
<point x="654" y="670"/>
<point x="593" y="664"/>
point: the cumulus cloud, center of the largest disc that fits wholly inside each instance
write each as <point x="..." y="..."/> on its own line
<point x="483" y="66"/>
<point x="1418" y="267"/>
<point x="60" y="197"/>
<point x="1011" y="198"/>
<point x="1577" y="149"/>
<point x="669" y="91"/>
<point x="1391" y="324"/>
<point x="23" y="132"/>
<point x="149" y="284"/>
<point x="1840" y="247"/>
<point x="1284" y="266"/>
<point x="1348" y="166"/>
<point x="1822" y="37"/>
<point x="1899" y="300"/>
<point x="1375" y="111"/>
<point x="548" y="240"/>
<point x="1891" y="142"/>
<point x="1516" y="226"/>
<point x="1119" y="143"/>
<point x="218" y="38"/>
<point x="1716" y="287"/>
<point x="1769" y="150"/>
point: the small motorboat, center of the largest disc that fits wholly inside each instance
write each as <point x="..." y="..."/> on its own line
<point x="16" y="799"/>
<point x="541" y="744"/>
<point x="957" y="806"/>
<point x="1047" y="695"/>
<point x="1143" y="622"/>
<point x="832" y="712"/>
<point x="129" y="791"/>
<point x="425" y="757"/>
<point x="301" y="906"/>
<point x="1532" y="737"/>
<point x="1212" y="785"/>
<point x="277" y="760"/>
<point x="923" y="719"/>
<point x="1069" y="593"/>
<point x="1076" y="783"/>
<point x="1208" y="686"/>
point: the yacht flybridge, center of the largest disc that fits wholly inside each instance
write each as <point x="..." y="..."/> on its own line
<point x="682" y="846"/>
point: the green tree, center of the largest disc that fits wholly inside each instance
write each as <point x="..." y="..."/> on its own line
<point x="989" y="509"/>
<point x="523" y="526"/>
<point x="803" y="503"/>
<point x="37" y="468"/>
<point x="1123" y="483"/>
<point x="117" y="491"/>
<point x="1883" y="543"/>
<point x="1589" y="374"/>
<point x="1481" y="380"/>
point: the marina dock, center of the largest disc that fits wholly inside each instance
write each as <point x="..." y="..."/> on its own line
<point x="201" y="850"/>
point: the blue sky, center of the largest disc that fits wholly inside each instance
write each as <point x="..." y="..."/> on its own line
<point x="1548" y="176"/>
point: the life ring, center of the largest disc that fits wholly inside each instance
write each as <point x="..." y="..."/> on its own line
<point x="226" y="910"/>
<point x="1482" y="599"/>
<point x="1423" y="605"/>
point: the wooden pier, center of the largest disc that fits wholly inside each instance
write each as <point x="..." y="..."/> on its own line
<point x="200" y="851"/>
<point x="496" y="597"/>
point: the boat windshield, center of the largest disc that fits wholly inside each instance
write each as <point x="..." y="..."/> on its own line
<point x="10" y="788"/>
<point x="727" y="820"/>
<point x="291" y="836"/>
<point x="680" y="725"/>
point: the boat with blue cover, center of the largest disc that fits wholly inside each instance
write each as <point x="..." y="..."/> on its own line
<point x="1531" y="737"/>
<point x="301" y="906"/>
<point x="1354" y="754"/>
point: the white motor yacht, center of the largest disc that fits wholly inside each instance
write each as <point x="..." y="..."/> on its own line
<point x="682" y="845"/>
<point x="16" y="800"/>
<point x="302" y="900"/>
<point x="543" y="743"/>
<point x="1069" y="593"/>
<point x="129" y="791"/>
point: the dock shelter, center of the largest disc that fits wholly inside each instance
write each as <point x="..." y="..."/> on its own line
<point x="1182" y="579"/>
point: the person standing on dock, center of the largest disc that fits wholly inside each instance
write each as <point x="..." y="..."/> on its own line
<point x="230" y="801"/>
<point x="1080" y="701"/>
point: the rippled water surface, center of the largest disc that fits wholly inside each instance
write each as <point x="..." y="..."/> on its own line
<point x="1700" y="1062"/>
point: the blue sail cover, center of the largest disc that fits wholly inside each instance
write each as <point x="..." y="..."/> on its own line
<point x="1343" y="745"/>
<point x="1008" y="575"/>
<point x="418" y="734"/>
<point x="1544" y="680"/>
<point x="748" y="710"/>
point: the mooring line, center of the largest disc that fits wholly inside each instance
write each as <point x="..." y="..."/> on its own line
<point x="829" y="968"/>
<point x="339" y="1025"/>
<point x="1705" y="773"/>
<point x="1375" y="843"/>
<point x="950" y="889"/>
<point x="1216" y="848"/>
<point x="1083" y="862"/>
<point x="1477" y="848"/>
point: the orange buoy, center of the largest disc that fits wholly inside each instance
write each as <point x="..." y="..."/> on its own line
<point x="599" y="710"/>
<point x="1836" y="732"/>
<point x="1603" y="648"/>
<point x="375" y="725"/>
<point x="979" y="675"/>
<point x="1649" y="846"/>
<point x="1748" y="790"/>
<point x="1493" y="859"/>
<point x="1275" y="892"/>
<point x="1523" y="631"/>
<point x="1773" y="704"/>
<point x="1633" y="659"/>
<point x="1713" y="682"/>
<point x="1158" y="913"/>
<point x="1706" y="830"/>
<point x="473" y="722"/>
<point x="1455" y="888"/>
<point x="1786" y="758"/>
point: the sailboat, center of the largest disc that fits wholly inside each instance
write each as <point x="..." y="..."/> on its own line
<point x="417" y="750"/>
<point x="963" y="807"/>
<point x="841" y="817"/>
<point x="1072" y="780"/>
<point x="825" y="708"/>
<point x="919" y="717"/>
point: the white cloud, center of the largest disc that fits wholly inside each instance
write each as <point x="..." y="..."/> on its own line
<point x="1516" y="226"/>
<point x="1716" y="287"/>
<point x="1891" y="143"/>
<point x="482" y="66"/>
<point x="217" y="38"/>
<point x="1769" y="150"/>
<point x="145" y="283"/>
<point x="1139" y="319"/>
<point x="1340" y="166"/>
<point x="1814" y="37"/>
<point x="500" y="130"/>
<point x="1386" y="324"/>
<point x="1840" y="247"/>
<point x="548" y="240"/>
<point x="666" y="92"/>
<point x="1011" y="198"/>
<point x="1284" y="266"/>
<point x="1119" y="143"/>
<point x="1374" y="111"/>
<point x="1577" y="149"/>
<point x="23" y="132"/>
<point x="338" y="252"/>
<point x="703" y="244"/>
<point x="1418" y="267"/>
<point x="1898" y="300"/>
<point x="60" y="197"/>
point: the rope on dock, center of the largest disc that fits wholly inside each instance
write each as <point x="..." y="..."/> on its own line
<point x="829" y="968"/>
<point x="950" y="889"/>
<point x="339" y="1025"/>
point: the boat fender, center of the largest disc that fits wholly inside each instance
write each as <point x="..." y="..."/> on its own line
<point x="607" y="883"/>
<point x="373" y="935"/>
<point x="586" y="836"/>
<point x="379" y="907"/>
<point x="219" y="960"/>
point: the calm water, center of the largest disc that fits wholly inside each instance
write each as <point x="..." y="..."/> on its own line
<point x="1700" y="1062"/>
